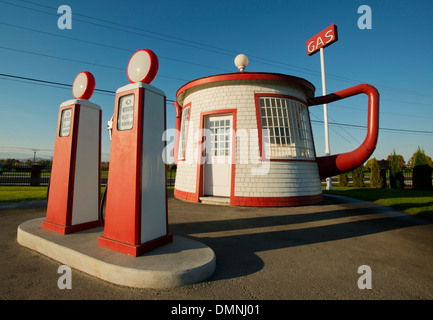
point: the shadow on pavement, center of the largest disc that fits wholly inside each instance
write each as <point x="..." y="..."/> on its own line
<point x="236" y="241"/>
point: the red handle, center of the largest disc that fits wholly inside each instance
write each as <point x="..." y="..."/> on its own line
<point x="335" y="164"/>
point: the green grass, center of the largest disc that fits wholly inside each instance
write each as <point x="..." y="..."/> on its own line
<point x="22" y="193"/>
<point x="414" y="202"/>
<point x="26" y="193"/>
<point x="24" y="174"/>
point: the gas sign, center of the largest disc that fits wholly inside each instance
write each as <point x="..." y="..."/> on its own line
<point x="322" y="39"/>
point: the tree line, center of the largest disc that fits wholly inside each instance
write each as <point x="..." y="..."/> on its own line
<point x="420" y="164"/>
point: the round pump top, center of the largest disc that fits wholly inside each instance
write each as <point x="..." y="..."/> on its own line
<point x="143" y="66"/>
<point x="83" y="86"/>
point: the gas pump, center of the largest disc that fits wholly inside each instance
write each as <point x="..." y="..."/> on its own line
<point x="74" y="190"/>
<point x="136" y="199"/>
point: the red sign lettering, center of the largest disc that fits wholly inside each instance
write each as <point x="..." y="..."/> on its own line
<point x="322" y="39"/>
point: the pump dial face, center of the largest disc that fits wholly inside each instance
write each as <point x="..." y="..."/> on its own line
<point x="143" y="66"/>
<point x="83" y="86"/>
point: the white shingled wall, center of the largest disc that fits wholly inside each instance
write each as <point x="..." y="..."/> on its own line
<point x="253" y="178"/>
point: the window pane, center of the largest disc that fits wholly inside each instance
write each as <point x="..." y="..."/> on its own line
<point x="288" y="121"/>
<point x="270" y="122"/>
<point x="183" y="133"/>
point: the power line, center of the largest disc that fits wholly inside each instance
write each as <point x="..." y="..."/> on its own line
<point x="80" y="61"/>
<point x="131" y="27"/>
<point x="110" y="46"/>
<point x="380" y="128"/>
<point x="340" y="135"/>
<point x="409" y="102"/>
<point x="206" y="47"/>
<point x="159" y="34"/>
<point x="49" y="82"/>
<point x="168" y="100"/>
<point x="384" y="112"/>
<point x="45" y="82"/>
<point x="25" y="148"/>
<point x="114" y="28"/>
<point x="180" y="79"/>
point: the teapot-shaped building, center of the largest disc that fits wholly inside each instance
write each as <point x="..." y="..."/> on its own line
<point x="247" y="137"/>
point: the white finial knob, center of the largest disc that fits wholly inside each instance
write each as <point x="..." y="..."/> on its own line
<point x="241" y="61"/>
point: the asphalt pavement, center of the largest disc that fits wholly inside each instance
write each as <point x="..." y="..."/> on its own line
<point x="295" y="253"/>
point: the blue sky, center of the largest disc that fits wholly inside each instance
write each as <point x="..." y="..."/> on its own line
<point x="194" y="39"/>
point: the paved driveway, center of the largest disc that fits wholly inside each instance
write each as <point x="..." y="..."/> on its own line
<point x="308" y="252"/>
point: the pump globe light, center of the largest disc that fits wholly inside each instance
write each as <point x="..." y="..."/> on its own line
<point x="241" y="61"/>
<point x="143" y="66"/>
<point x="83" y="86"/>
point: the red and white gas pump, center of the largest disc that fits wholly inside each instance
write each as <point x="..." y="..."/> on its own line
<point x="136" y="200"/>
<point x="74" y="191"/>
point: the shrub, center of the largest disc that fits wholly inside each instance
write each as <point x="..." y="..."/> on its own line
<point x="422" y="172"/>
<point x="358" y="177"/>
<point x="396" y="177"/>
<point x="376" y="180"/>
<point x="343" y="180"/>
<point x="383" y="177"/>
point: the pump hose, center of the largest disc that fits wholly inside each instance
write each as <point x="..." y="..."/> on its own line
<point x="102" y="206"/>
<point x="48" y="189"/>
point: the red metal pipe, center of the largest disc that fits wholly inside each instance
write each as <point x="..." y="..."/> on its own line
<point x="336" y="164"/>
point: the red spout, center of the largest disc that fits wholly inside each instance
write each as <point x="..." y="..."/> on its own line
<point x="335" y="164"/>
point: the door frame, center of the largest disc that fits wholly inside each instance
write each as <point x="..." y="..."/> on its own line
<point x="227" y="159"/>
<point x="200" y="164"/>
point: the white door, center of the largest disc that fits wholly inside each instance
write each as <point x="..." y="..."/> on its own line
<point x="217" y="168"/>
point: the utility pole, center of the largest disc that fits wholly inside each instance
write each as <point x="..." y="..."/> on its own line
<point x="34" y="154"/>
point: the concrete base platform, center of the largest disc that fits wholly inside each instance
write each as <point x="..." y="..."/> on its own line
<point x="181" y="262"/>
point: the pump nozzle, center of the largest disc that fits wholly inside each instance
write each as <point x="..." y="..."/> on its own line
<point x="110" y="126"/>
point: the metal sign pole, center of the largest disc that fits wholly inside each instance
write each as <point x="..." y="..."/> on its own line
<point x="325" y="115"/>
